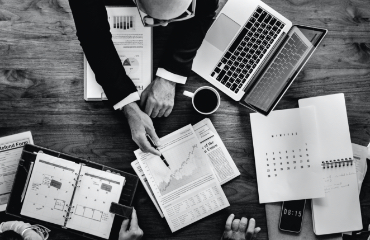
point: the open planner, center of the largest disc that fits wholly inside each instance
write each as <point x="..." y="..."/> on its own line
<point x="74" y="194"/>
<point x="339" y="210"/>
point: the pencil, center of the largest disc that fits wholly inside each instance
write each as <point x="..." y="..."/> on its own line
<point x="155" y="146"/>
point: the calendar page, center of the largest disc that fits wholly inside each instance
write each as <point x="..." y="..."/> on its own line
<point x="50" y="189"/>
<point x="95" y="192"/>
<point x="286" y="155"/>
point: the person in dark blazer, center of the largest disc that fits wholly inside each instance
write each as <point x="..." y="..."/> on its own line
<point x="157" y="100"/>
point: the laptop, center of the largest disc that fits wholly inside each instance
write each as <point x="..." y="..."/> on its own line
<point x="253" y="54"/>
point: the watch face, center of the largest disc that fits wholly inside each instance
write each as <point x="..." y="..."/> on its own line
<point x="291" y="215"/>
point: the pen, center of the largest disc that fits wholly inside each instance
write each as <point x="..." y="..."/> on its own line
<point x="155" y="146"/>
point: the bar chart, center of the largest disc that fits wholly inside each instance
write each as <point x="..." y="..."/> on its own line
<point x="123" y="22"/>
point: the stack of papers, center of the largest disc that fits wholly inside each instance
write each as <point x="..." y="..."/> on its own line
<point x="306" y="153"/>
<point x="190" y="188"/>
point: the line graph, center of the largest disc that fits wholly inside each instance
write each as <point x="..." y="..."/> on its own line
<point x="187" y="162"/>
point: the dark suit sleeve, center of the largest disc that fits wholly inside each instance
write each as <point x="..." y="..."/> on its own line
<point x="186" y="38"/>
<point x="92" y="27"/>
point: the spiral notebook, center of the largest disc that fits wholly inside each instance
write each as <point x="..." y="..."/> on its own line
<point x="339" y="210"/>
<point x="72" y="195"/>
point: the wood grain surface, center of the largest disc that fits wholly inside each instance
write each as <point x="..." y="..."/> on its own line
<point x="41" y="90"/>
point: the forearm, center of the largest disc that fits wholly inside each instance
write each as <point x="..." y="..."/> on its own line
<point x="93" y="32"/>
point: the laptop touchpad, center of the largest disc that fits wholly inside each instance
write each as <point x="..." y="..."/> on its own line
<point x="222" y="32"/>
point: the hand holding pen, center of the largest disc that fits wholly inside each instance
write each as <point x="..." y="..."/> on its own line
<point x="156" y="147"/>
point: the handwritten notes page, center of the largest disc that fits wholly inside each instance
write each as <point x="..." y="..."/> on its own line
<point x="286" y="155"/>
<point x="94" y="195"/>
<point x="340" y="210"/>
<point x="188" y="190"/>
<point x="50" y="189"/>
<point x="337" y="212"/>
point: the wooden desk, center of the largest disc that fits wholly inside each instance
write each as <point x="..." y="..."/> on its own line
<point x="41" y="89"/>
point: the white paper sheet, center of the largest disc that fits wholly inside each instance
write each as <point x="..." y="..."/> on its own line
<point x="339" y="210"/>
<point x="359" y="156"/>
<point x="92" y="200"/>
<point x="222" y="163"/>
<point x="50" y="189"/>
<point x="139" y="171"/>
<point x="286" y="155"/>
<point x="133" y="43"/>
<point x="10" y="152"/>
<point x="187" y="191"/>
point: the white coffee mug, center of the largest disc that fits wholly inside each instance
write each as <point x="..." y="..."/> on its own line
<point x="192" y="95"/>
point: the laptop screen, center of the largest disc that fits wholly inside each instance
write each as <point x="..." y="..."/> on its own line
<point x="270" y="85"/>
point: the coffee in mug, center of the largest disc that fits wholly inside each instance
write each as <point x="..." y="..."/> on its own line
<point x="206" y="100"/>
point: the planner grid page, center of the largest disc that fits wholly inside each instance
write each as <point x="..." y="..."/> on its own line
<point x="285" y="150"/>
<point x="50" y="189"/>
<point x="90" y="207"/>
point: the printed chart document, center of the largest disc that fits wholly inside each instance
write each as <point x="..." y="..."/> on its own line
<point x="189" y="190"/>
<point x="133" y="43"/>
<point x="359" y="155"/>
<point x="224" y="166"/>
<point x="286" y="155"/>
<point x="139" y="171"/>
<point x="72" y="195"/>
<point x="220" y="159"/>
<point x="339" y="210"/>
<point x="10" y="152"/>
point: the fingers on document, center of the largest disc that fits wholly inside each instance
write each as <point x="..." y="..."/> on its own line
<point x="229" y="222"/>
<point x="161" y="112"/>
<point x="143" y="143"/>
<point x="134" y="222"/>
<point x="124" y="225"/>
<point x="243" y="224"/>
<point x="149" y="107"/>
<point x="235" y="225"/>
<point x="256" y="231"/>
<point x="143" y="97"/>
<point x="168" y="111"/>
<point x="145" y="146"/>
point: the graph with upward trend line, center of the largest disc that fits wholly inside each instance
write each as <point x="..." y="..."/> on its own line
<point x="187" y="163"/>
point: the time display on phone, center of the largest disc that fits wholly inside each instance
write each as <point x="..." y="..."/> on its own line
<point x="292" y="215"/>
<point x="291" y="212"/>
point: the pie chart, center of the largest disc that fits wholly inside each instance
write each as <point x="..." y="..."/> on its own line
<point x="131" y="65"/>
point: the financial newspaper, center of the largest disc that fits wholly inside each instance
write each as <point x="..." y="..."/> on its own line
<point x="187" y="190"/>
<point x="133" y="43"/>
<point x="10" y="152"/>
<point x="222" y="163"/>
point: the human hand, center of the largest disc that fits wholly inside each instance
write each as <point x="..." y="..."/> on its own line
<point x="140" y="124"/>
<point x="236" y="229"/>
<point x="158" y="98"/>
<point x="134" y="232"/>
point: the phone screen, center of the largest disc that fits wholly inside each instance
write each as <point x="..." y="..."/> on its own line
<point x="292" y="215"/>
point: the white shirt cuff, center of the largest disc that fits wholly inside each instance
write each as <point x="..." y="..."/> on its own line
<point x="163" y="73"/>
<point x="129" y="99"/>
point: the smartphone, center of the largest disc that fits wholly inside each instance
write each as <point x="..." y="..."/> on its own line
<point x="292" y="215"/>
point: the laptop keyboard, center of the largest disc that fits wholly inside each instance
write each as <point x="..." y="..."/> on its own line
<point x="247" y="50"/>
<point x="269" y="86"/>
